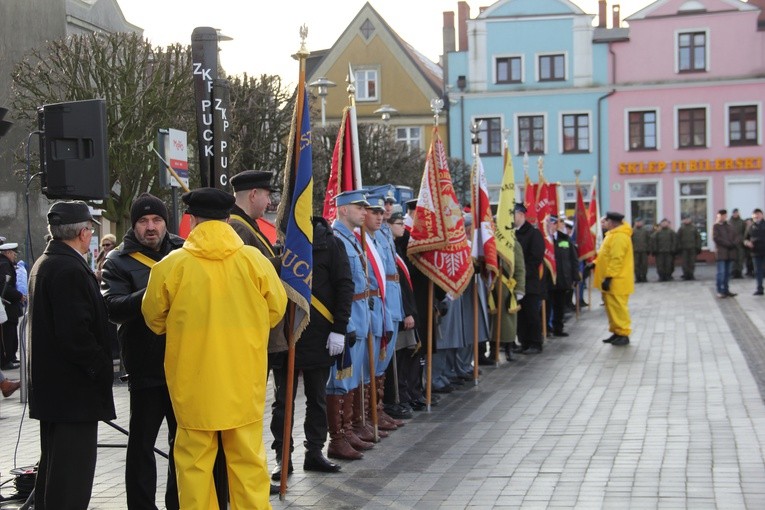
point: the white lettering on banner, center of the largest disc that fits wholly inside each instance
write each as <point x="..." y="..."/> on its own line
<point x="206" y="73"/>
<point x="207" y="135"/>
<point x="224" y="161"/>
<point x="209" y="151"/>
<point x="224" y="180"/>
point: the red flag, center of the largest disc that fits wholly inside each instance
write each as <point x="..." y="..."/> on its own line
<point x="438" y="244"/>
<point x="484" y="245"/>
<point x="593" y="214"/>
<point x="584" y="240"/>
<point x="342" y="172"/>
<point x="544" y="202"/>
<point x="530" y="200"/>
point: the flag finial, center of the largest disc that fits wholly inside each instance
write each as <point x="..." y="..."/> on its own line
<point x="436" y="104"/>
<point x="303" y="52"/>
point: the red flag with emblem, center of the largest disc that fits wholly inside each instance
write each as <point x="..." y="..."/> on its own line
<point x="546" y="197"/>
<point x="341" y="175"/>
<point x="585" y="243"/>
<point x="438" y="244"/>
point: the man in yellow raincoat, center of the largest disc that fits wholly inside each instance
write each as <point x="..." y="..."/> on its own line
<point x="216" y="300"/>
<point x="614" y="276"/>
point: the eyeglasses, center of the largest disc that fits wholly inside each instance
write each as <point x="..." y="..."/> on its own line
<point x="106" y="245"/>
<point x="89" y="228"/>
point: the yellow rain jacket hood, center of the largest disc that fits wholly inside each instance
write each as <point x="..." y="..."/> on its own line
<point x="216" y="300"/>
<point x="615" y="261"/>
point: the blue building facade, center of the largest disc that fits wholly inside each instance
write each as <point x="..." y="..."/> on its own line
<point x="536" y="73"/>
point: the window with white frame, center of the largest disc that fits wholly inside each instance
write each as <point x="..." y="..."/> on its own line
<point x="490" y="136"/>
<point x="694" y="202"/>
<point x="531" y="134"/>
<point x="576" y="133"/>
<point x="366" y="84"/>
<point x="644" y="201"/>
<point x="642" y="130"/>
<point x="552" y="67"/>
<point x="691" y="128"/>
<point x="691" y="52"/>
<point x="411" y="136"/>
<point x="742" y="125"/>
<point x="508" y="70"/>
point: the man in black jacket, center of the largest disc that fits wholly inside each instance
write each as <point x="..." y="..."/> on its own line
<point x="12" y="300"/>
<point x="567" y="273"/>
<point x="319" y="346"/>
<point x="71" y="372"/>
<point x="529" y="318"/>
<point x="123" y="283"/>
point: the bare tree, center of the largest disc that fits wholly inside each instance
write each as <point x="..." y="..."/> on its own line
<point x="145" y="88"/>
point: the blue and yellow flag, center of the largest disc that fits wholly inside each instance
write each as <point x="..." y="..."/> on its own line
<point x="294" y="215"/>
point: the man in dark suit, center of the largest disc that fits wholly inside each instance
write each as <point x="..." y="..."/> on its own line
<point x="529" y="317"/>
<point x="71" y="372"/>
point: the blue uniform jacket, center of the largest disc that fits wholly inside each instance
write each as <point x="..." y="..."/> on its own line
<point x="360" y="319"/>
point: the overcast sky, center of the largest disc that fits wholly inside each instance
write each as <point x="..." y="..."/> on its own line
<point x="266" y="32"/>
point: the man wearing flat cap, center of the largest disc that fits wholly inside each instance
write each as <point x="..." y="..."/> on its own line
<point x="663" y="245"/>
<point x="13" y="301"/>
<point x="726" y="241"/>
<point x="124" y="278"/>
<point x="529" y="317"/>
<point x="71" y="372"/>
<point x="689" y="245"/>
<point x="614" y="276"/>
<point x="215" y="299"/>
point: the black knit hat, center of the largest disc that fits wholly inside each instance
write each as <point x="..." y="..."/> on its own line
<point x="147" y="203"/>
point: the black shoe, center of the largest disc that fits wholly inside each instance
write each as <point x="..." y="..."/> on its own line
<point x="731" y="294"/>
<point x="275" y="489"/>
<point x="620" y="340"/>
<point x="483" y="360"/>
<point x="316" y="461"/>
<point x="583" y="303"/>
<point x="532" y="350"/>
<point x="7" y="366"/>
<point x="445" y="389"/>
<point x="518" y="349"/>
<point x="416" y="405"/>
<point x="758" y="293"/>
<point x="276" y="474"/>
<point x="560" y="333"/>
<point x="610" y="339"/>
<point x="398" y="411"/>
<point x="456" y="381"/>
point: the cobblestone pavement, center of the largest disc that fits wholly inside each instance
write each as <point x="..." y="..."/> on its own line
<point x="674" y="420"/>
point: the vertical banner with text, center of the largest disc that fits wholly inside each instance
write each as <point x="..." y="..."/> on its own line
<point x="204" y="61"/>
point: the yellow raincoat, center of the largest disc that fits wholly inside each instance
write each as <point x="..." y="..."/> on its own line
<point x="615" y="260"/>
<point x="216" y="300"/>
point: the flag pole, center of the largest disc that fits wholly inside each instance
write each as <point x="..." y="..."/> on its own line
<point x="474" y="130"/>
<point x="429" y="363"/>
<point x="542" y="228"/>
<point x="300" y="56"/>
<point x="500" y="275"/>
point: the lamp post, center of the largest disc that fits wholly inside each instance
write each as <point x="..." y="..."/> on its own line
<point x="322" y="86"/>
<point x="385" y="111"/>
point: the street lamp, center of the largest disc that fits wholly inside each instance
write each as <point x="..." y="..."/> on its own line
<point x="322" y="85"/>
<point x="385" y="111"/>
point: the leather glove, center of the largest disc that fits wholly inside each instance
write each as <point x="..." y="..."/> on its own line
<point x="335" y="343"/>
<point x="606" y="284"/>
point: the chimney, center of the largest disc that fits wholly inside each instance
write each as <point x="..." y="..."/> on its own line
<point x="761" y="17"/>
<point x="463" y="14"/>
<point x="448" y="33"/>
<point x="602" y="9"/>
<point x="615" y="9"/>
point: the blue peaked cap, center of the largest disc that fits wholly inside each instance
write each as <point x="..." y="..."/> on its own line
<point x="351" y="197"/>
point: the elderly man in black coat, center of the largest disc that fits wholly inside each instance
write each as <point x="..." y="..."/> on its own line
<point x="71" y="372"/>
<point x="529" y="317"/>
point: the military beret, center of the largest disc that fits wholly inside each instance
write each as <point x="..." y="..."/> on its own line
<point x="722" y="211"/>
<point x="351" y="197"/>
<point x="685" y="216"/>
<point x="69" y="213"/>
<point x="519" y="207"/>
<point x="209" y="203"/>
<point x="396" y="216"/>
<point x="252" y="179"/>
<point x="614" y="216"/>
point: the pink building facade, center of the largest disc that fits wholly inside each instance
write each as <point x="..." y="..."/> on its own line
<point x="686" y="113"/>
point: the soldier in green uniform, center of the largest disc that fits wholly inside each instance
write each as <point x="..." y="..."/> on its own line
<point x="640" y="241"/>
<point x="739" y="226"/>
<point x="663" y="245"/>
<point x="689" y="244"/>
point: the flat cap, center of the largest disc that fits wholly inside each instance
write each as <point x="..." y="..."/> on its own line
<point x="209" y="203"/>
<point x="69" y="213"/>
<point x="252" y="179"/>
<point x="351" y="197"/>
<point x="519" y="207"/>
<point x="614" y="216"/>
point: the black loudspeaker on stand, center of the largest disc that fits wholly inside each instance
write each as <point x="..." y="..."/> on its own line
<point x="73" y="150"/>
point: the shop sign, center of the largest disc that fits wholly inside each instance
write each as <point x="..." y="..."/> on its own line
<point x="691" y="166"/>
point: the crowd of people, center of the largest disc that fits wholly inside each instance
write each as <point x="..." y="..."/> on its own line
<point x="201" y="325"/>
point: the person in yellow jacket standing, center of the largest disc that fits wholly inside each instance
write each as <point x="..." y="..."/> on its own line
<point x="216" y="300"/>
<point x="614" y="276"/>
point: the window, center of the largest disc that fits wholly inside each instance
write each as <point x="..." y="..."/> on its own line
<point x="692" y="128"/>
<point x="531" y="134"/>
<point x="643" y="201"/>
<point x="742" y="125"/>
<point x="692" y="52"/>
<point x="552" y="68"/>
<point x="693" y="201"/>
<point x="576" y="133"/>
<point x="490" y="134"/>
<point x="569" y="198"/>
<point x="509" y="70"/>
<point x="642" y="130"/>
<point x="410" y="136"/>
<point x="366" y="84"/>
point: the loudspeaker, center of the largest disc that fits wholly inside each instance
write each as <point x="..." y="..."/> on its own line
<point x="74" y="159"/>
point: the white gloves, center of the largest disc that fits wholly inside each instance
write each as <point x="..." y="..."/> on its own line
<point x="335" y="343"/>
<point x="519" y="296"/>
